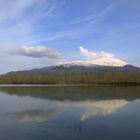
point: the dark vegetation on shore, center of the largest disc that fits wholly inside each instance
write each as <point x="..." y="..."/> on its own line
<point x="61" y="77"/>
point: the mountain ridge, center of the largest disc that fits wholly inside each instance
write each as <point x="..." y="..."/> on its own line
<point x="76" y="68"/>
<point x="76" y="73"/>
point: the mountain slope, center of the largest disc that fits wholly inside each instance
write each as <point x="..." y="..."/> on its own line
<point x="75" y="67"/>
<point x="99" y="65"/>
<point x="75" y="73"/>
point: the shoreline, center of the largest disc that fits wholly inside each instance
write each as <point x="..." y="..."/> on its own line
<point x="71" y="85"/>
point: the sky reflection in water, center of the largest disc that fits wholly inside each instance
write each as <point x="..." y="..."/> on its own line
<point x="55" y="113"/>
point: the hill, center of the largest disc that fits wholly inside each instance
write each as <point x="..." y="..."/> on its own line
<point x="75" y="73"/>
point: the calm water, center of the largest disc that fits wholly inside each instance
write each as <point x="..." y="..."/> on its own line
<point x="69" y="113"/>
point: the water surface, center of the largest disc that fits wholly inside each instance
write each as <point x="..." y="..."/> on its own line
<point x="69" y="113"/>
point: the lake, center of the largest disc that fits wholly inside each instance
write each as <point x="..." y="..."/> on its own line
<point x="69" y="113"/>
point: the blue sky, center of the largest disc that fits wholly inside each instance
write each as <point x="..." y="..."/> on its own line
<point x="38" y="33"/>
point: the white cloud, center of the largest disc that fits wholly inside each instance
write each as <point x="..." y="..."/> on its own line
<point x="19" y="8"/>
<point x="10" y="10"/>
<point x="106" y="54"/>
<point x="62" y="35"/>
<point x="19" y="20"/>
<point x="37" y="52"/>
<point x="90" y="55"/>
<point x="95" y="17"/>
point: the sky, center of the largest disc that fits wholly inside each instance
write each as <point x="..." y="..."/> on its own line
<point x="39" y="33"/>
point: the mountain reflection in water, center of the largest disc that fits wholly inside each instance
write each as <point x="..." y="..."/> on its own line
<point x="70" y="112"/>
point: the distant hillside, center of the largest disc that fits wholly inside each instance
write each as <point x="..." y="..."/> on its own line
<point x="75" y="74"/>
<point x="76" y="68"/>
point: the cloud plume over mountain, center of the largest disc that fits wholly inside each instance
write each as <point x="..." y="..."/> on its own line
<point x="90" y="55"/>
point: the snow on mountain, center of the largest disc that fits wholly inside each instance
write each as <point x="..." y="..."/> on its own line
<point x="104" y="61"/>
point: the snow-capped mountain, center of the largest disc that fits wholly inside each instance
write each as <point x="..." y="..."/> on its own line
<point x="100" y="65"/>
<point x="104" y="61"/>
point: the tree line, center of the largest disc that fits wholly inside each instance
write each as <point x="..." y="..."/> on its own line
<point x="108" y="77"/>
